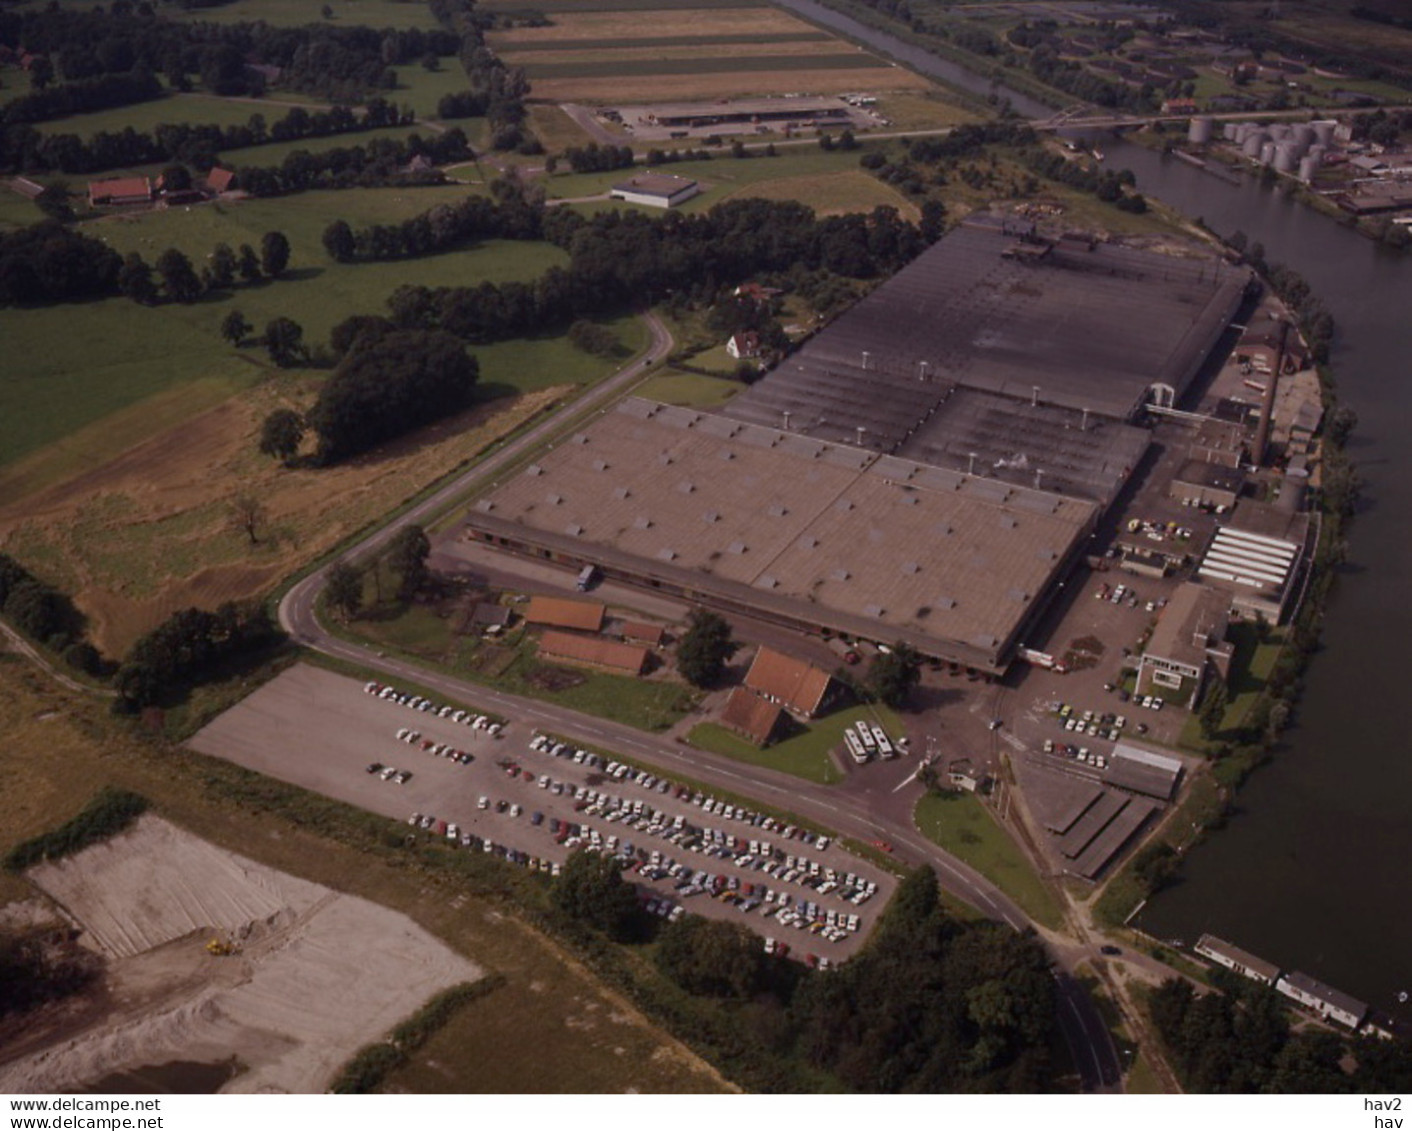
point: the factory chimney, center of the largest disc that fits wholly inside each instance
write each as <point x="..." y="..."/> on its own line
<point x="1267" y="405"/>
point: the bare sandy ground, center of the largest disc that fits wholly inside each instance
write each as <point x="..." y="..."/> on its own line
<point x="318" y="974"/>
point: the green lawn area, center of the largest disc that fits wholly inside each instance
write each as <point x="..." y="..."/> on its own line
<point x="691" y="390"/>
<point x="1251" y="665"/>
<point x="58" y="382"/>
<point x="962" y="825"/>
<point x="721" y="176"/>
<point x="512" y="665"/>
<point x="805" y="754"/>
<point x="422" y="89"/>
<point x="276" y="151"/>
<point x="295" y="13"/>
<point x="16" y="211"/>
<point x="193" y="109"/>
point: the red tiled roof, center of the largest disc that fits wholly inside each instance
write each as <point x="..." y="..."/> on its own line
<point x="642" y="632"/>
<point x="752" y="716"/>
<point x="557" y="612"/>
<point x="119" y="187"/>
<point x="218" y="179"/>
<point x="798" y="685"/>
<point x="598" y="653"/>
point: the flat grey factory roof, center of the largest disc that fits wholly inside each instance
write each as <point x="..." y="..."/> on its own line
<point x="824" y="530"/>
<point x="739" y="106"/>
<point x="1092" y="329"/>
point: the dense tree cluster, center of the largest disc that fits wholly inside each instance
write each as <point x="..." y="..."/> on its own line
<point x="712" y="958"/>
<point x="1107" y="185"/>
<point x="591" y="890"/>
<point x="1241" y="1041"/>
<point x="894" y="674"/>
<point x="622" y="261"/>
<point x="932" y="1006"/>
<point x="189" y="648"/>
<point x="37" y="608"/>
<point x="34" y="969"/>
<point x="81" y="97"/>
<point x="595" y="158"/>
<point x="383" y="161"/>
<point x="705" y="648"/>
<point x="29" y="150"/>
<point x="48" y="263"/>
<point x="496" y="92"/>
<point x="392" y="382"/>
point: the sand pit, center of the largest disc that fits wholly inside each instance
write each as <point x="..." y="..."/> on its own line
<point x="318" y="974"/>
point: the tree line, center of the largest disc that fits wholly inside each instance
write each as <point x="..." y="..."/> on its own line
<point x="80" y="97"/>
<point x="383" y="161"/>
<point x="624" y="261"/>
<point x="509" y="217"/>
<point x="48" y="263"/>
<point x="929" y="1005"/>
<point x="496" y="92"/>
<point x="23" y="149"/>
<point x="341" y="64"/>
<point x="46" y="614"/>
<point x="1238" y="1039"/>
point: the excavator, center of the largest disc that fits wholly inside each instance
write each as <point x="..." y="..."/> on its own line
<point x="220" y="948"/>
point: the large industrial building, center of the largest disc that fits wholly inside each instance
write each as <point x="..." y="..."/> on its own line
<point x="926" y="469"/>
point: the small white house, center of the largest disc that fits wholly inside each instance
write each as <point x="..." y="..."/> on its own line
<point x="745" y="344"/>
<point x="656" y="190"/>
<point x="1323" y="1000"/>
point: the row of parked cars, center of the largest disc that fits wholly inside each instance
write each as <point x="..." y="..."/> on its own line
<point x="454" y="835"/>
<point x="440" y="749"/>
<point x="389" y="773"/>
<point x="1077" y="753"/>
<point x="1093" y="723"/>
<point x="440" y="710"/>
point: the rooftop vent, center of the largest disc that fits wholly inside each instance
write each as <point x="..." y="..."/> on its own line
<point x="1018" y="595"/>
<point x="776" y="510"/>
<point x="808" y="542"/>
<point x="843" y="505"/>
<point x="727" y="454"/>
<point x="686" y="487"/>
<point x="579" y="438"/>
<point x="767" y="582"/>
<point x="485" y="506"/>
<point x="944" y="603"/>
<point x="711" y="516"/>
<point x="667" y="555"/>
<point x="1008" y="521"/>
<point x="840" y="575"/>
<point x="553" y="499"/>
<point x="621" y="492"/>
<point x="642" y="522"/>
<point x="665" y="459"/>
<point x="874" y="611"/>
<point x="573" y="529"/>
<point x="911" y="567"/>
<point x="600" y="465"/>
<point x="736" y="548"/>
<point x="534" y="469"/>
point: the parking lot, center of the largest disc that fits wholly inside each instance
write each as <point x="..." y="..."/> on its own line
<point x="532" y="800"/>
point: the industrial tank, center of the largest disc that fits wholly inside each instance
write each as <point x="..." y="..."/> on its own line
<point x="1286" y="156"/>
<point x="1308" y="166"/>
<point x="1252" y="144"/>
<point x="1200" y="130"/>
<point x="1324" y="131"/>
<point x="1267" y="153"/>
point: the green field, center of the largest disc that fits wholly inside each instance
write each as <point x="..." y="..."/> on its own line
<point x="295" y="13"/>
<point x="700" y="65"/>
<point x="805" y="754"/>
<point x="276" y="151"/>
<point x="126" y="353"/>
<point x="962" y="825"/>
<point x="648" y="42"/>
<point x="422" y="89"/>
<point x="691" y="390"/>
<point x="191" y="109"/>
<point x="552" y="6"/>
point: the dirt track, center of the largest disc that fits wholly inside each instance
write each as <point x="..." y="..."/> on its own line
<point x="318" y="974"/>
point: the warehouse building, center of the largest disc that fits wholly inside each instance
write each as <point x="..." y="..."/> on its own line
<point x="755" y="719"/>
<point x="797" y="686"/>
<point x="593" y="652"/>
<point x="559" y="612"/>
<point x="656" y="190"/>
<point x="1138" y="770"/>
<point x="793" y="530"/>
<point x="1256" y="558"/>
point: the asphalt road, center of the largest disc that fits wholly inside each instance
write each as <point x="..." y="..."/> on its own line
<point x="849" y="815"/>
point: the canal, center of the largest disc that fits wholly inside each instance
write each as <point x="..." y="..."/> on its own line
<point x="1312" y="871"/>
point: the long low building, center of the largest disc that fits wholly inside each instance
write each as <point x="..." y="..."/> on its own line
<point x="593" y="652"/>
<point x="1324" y="1000"/>
<point x="794" y="530"/>
<point x="1233" y="958"/>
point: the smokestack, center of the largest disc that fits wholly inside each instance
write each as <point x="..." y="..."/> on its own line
<point x="921" y="371"/>
<point x="865" y="359"/>
<point x="1267" y="405"/>
<point x="971" y="469"/>
<point x="1038" y="478"/>
<point x="1034" y="397"/>
<point x="861" y="431"/>
<point x="786" y="419"/>
<point x="1083" y="423"/>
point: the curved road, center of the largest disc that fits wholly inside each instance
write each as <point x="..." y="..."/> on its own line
<point x="1087" y="1037"/>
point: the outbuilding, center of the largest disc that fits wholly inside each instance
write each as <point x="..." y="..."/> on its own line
<point x="656" y="190"/>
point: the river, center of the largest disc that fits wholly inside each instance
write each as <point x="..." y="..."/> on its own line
<point x="1312" y="871"/>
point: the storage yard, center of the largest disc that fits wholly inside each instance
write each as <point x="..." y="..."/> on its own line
<point x="512" y="793"/>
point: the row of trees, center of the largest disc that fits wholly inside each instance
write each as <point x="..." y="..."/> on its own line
<point x="509" y="217"/>
<point x="1108" y="185"/>
<point x="496" y="91"/>
<point x="81" y="97"/>
<point x="595" y="158"/>
<point x="45" y="614"/>
<point x="383" y="161"/>
<point x="223" y="270"/>
<point x="24" y="149"/>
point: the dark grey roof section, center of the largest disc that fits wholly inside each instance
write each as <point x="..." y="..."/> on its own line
<point x="1327" y="994"/>
<point x="1107" y="844"/>
<point x="1094" y="820"/>
<point x="1142" y="771"/>
<point x="1091" y="329"/>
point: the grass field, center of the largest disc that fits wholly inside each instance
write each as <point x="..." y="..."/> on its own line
<point x="555" y="129"/>
<point x="720" y="23"/>
<point x="688" y="389"/>
<point x="719" y="55"/>
<point x="190" y="109"/>
<point x="295" y="13"/>
<point x="694" y="64"/>
<point x="833" y="194"/>
<point x="551" y="1026"/>
<point x="422" y="89"/>
<point x="963" y="826"/>
<point x="805" y="754"/>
